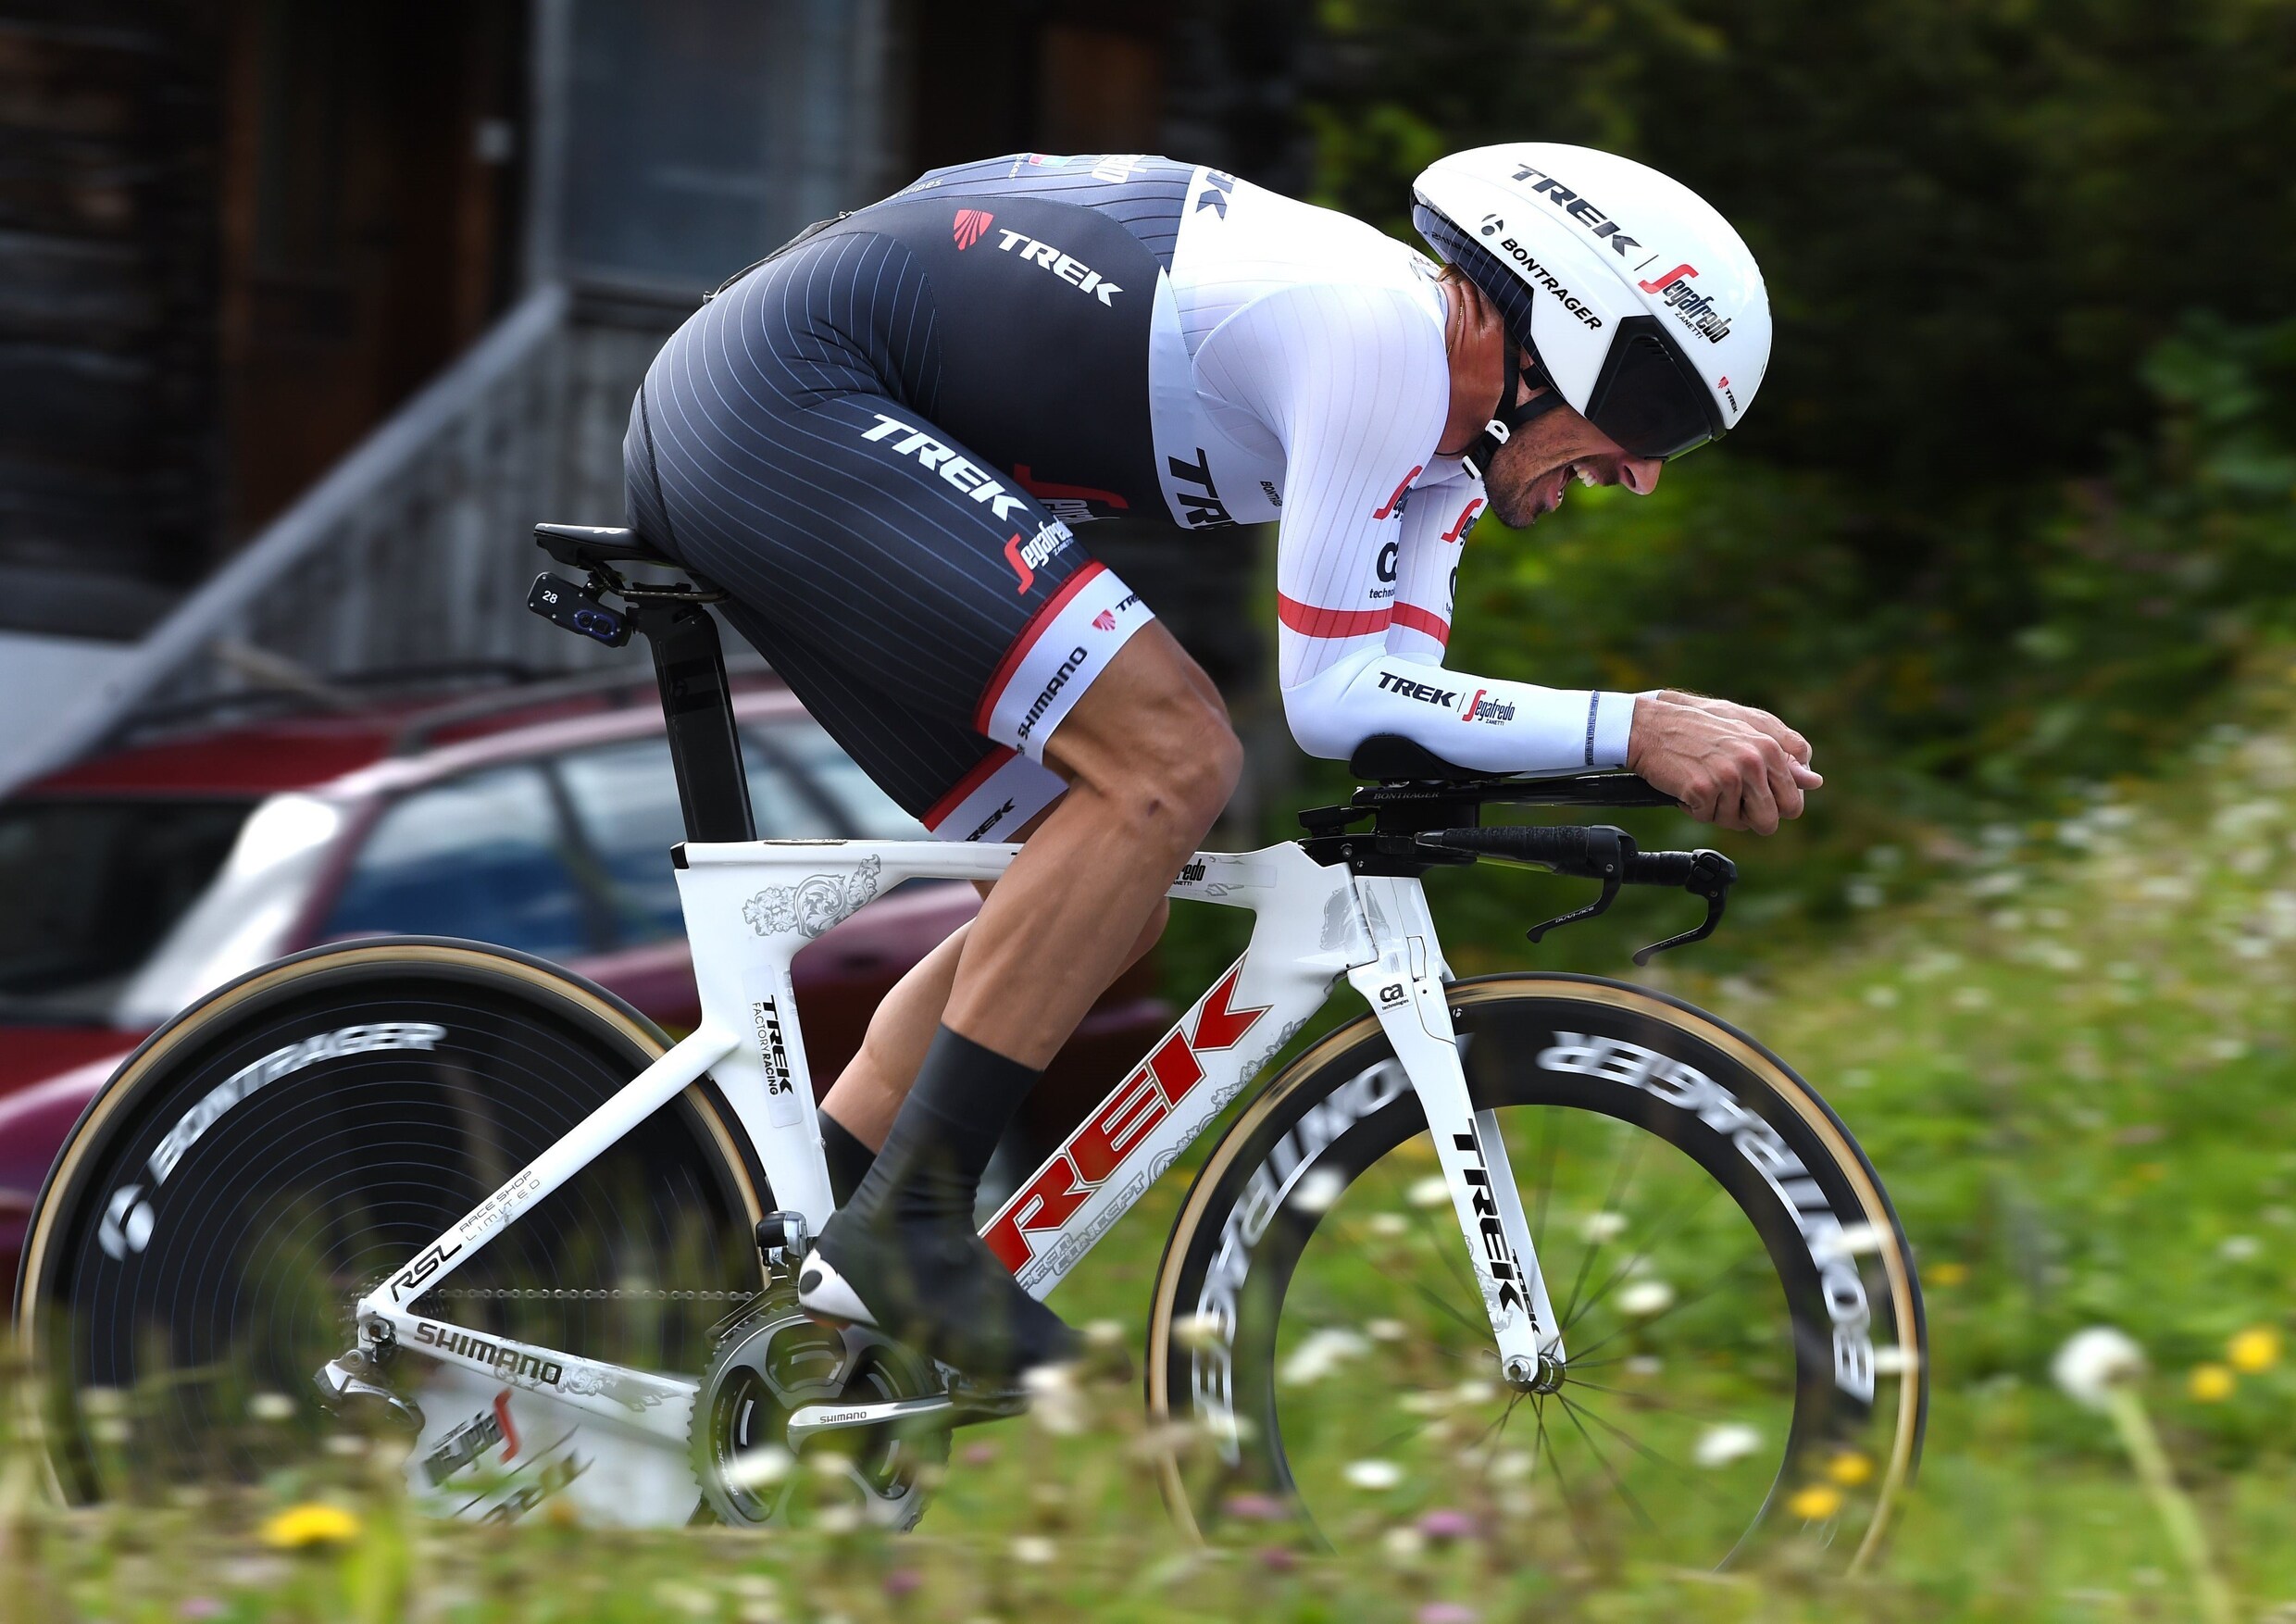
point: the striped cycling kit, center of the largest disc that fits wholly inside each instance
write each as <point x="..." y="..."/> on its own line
<point x="879" y="440"/>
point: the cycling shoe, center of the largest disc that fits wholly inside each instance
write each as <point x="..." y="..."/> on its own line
<point x="937" y="1287"/>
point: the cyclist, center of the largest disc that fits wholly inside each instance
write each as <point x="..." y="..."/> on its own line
<point x="879" y="439"/>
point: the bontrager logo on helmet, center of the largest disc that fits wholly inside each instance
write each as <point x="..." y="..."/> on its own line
<point x="1637" y="301"/>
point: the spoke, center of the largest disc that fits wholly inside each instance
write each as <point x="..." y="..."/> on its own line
<point x="1427" y="1292"/>
<point x="1690" y="1207"/>
<point x="1704" y="1489"/>
<point x="1545" y="1451"/>
<point x="1492" y="1459"/>
<point x="1641" y="1398"/>
<point x="1609" y="1472"/>
<point x="1627" y="1157"/>
<point x="1676" y="1306"/>
<point x="1546" y="1178"/>
<point x="1450" y="1254"/>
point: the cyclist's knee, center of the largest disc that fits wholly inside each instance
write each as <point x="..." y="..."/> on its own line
<point x="1153" y="738"/>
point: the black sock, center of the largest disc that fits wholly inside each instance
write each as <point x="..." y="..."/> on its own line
<point x="930" y="1168"/>
<point x="849" y="1159"/>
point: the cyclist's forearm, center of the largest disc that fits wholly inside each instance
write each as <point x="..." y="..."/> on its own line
<point x="1488" y="724"/>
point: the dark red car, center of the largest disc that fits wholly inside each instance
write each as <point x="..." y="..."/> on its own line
<point x="538" y="818"/>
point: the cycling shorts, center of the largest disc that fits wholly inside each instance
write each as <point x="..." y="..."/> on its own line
<point x="925" y="607"/>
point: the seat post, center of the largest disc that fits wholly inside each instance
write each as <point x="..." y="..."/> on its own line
<point x="697" y="705"/>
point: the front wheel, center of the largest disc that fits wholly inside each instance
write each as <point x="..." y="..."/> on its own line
<point x="1742" y="1329"/>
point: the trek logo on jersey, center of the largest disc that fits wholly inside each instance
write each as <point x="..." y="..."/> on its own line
<point x="1395" y="502"/>
<point x="1603" y="228"/>
<point x="1411" y="688"/>
<point x="971" y="223"/>
<point x="943" y="460"/>
<point x="1467" y="517"/>
<point x="1201" y="511"/>
<point x="1692" y="309"/>
<point x="1104" y="621"/>
<point x="1027" y="558"/>
<point x="1075" y="272"/>
<point x="1482" y="709"/>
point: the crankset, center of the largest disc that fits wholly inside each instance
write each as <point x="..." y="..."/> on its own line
<point x="789" y="1406"/>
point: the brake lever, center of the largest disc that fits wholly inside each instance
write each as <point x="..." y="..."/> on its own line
<point x="1711" y="876"/>
<point x="1610" y="895"/>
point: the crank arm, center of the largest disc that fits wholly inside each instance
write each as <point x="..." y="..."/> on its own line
<point x="814" y="1420"/>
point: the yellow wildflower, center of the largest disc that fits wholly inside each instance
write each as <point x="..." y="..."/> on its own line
<point x="1946" y="1274"/>
<point x="1815" y="1503"/>
<point x="1850" y="1469"/>
<point x="2209" y="1383"/>
<point x="311" y="1523"/>
<point x="2256" y="1349"/>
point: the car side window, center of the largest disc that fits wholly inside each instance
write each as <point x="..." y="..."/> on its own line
<point x="483" y="856"/>
<point x="871" y="814"/>
<point x="625" y="798"/>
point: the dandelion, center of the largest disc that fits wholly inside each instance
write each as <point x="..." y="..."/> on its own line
<point x="1510" y="1465"/>
<point x="1815" y="1503"/>
<point x="1318" y="1189"/>
<point x="1474" y="1391"/>
<point x="2210" y="1384"/>
<point x="1646" y="1297"/>
<point x="350" y="1446"/>
<point x="1602" y="1227"/>
<point x="1388" y="1226"/>
<point x="1320" y="1354"/>
<point x="759" y="1468"/>
<point x="2254" y="1350"/>
<point x="1035" y="1550"/>
<point x="271" y="1408"/>
<point x="1374" y="1476"/>
<point x="1429" y="1192"/>
<point x="1388" y="1329"/>
<point x="2239" y="1248"/>
<point x="1850" y="1468"/>
<point x="1946" y="1274"/>
<point x="1720" y="1445"/>
<point x="2096" y="1361"/>
<point x="312" y="1523"/>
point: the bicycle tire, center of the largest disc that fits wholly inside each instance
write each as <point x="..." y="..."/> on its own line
<point x="1607" y="1061"/>
<point x="267" y="1154"/>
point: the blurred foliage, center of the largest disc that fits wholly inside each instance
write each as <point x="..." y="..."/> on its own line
<point x="2018" y="492"/>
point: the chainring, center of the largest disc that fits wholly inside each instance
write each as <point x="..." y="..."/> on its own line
<point x="768" y="1363"/>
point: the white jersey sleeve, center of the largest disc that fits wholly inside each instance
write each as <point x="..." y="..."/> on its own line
<point x="1352" y="380"/>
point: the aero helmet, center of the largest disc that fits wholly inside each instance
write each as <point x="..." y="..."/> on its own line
<point x="1628" y="295"/>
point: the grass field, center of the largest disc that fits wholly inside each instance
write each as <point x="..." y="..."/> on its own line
<point x="2071" y="1058"/>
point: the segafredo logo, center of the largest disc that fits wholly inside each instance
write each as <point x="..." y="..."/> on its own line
<point x="1692" y="308"/>
<point x="1027" y="558"/>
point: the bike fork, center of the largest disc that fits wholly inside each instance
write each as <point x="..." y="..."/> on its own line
<point x="1405" y="987"/>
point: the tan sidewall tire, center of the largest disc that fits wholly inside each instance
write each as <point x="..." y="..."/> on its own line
<point x="1905" y="1290"/>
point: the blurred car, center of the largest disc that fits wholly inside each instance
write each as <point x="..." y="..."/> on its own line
<point x="538" y="817"/>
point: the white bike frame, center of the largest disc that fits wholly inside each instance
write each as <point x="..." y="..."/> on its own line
<point x="749" y="907"/>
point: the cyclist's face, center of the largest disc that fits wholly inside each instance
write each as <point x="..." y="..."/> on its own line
<point x="1533" y="470"/>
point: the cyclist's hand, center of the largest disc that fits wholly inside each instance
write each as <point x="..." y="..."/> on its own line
<point x="1726" y="764"/>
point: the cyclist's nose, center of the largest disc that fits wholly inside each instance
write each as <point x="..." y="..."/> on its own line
<point x="1640" y="474"/>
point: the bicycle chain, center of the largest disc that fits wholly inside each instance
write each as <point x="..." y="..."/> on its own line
<point x="591" y="1294"/>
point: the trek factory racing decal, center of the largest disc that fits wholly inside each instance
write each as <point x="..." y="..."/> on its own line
<point x="127" y="1216"/>
<point x="1688" y="1089"/>
<point x="1127" y="1120"/>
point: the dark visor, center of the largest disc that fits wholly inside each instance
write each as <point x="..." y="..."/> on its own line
<point x="1647" y="398"/>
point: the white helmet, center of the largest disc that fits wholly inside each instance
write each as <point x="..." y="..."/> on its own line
<point x="1626" y="292"/>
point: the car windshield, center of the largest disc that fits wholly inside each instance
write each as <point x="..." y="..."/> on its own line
<point x="88" y="887"/>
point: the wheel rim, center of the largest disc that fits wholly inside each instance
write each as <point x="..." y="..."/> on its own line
<point x="290" y="1197"/>
<point x="1809" y="1461"/>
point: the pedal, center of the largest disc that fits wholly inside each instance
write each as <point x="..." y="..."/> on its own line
<point x="971" y="1400"/>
